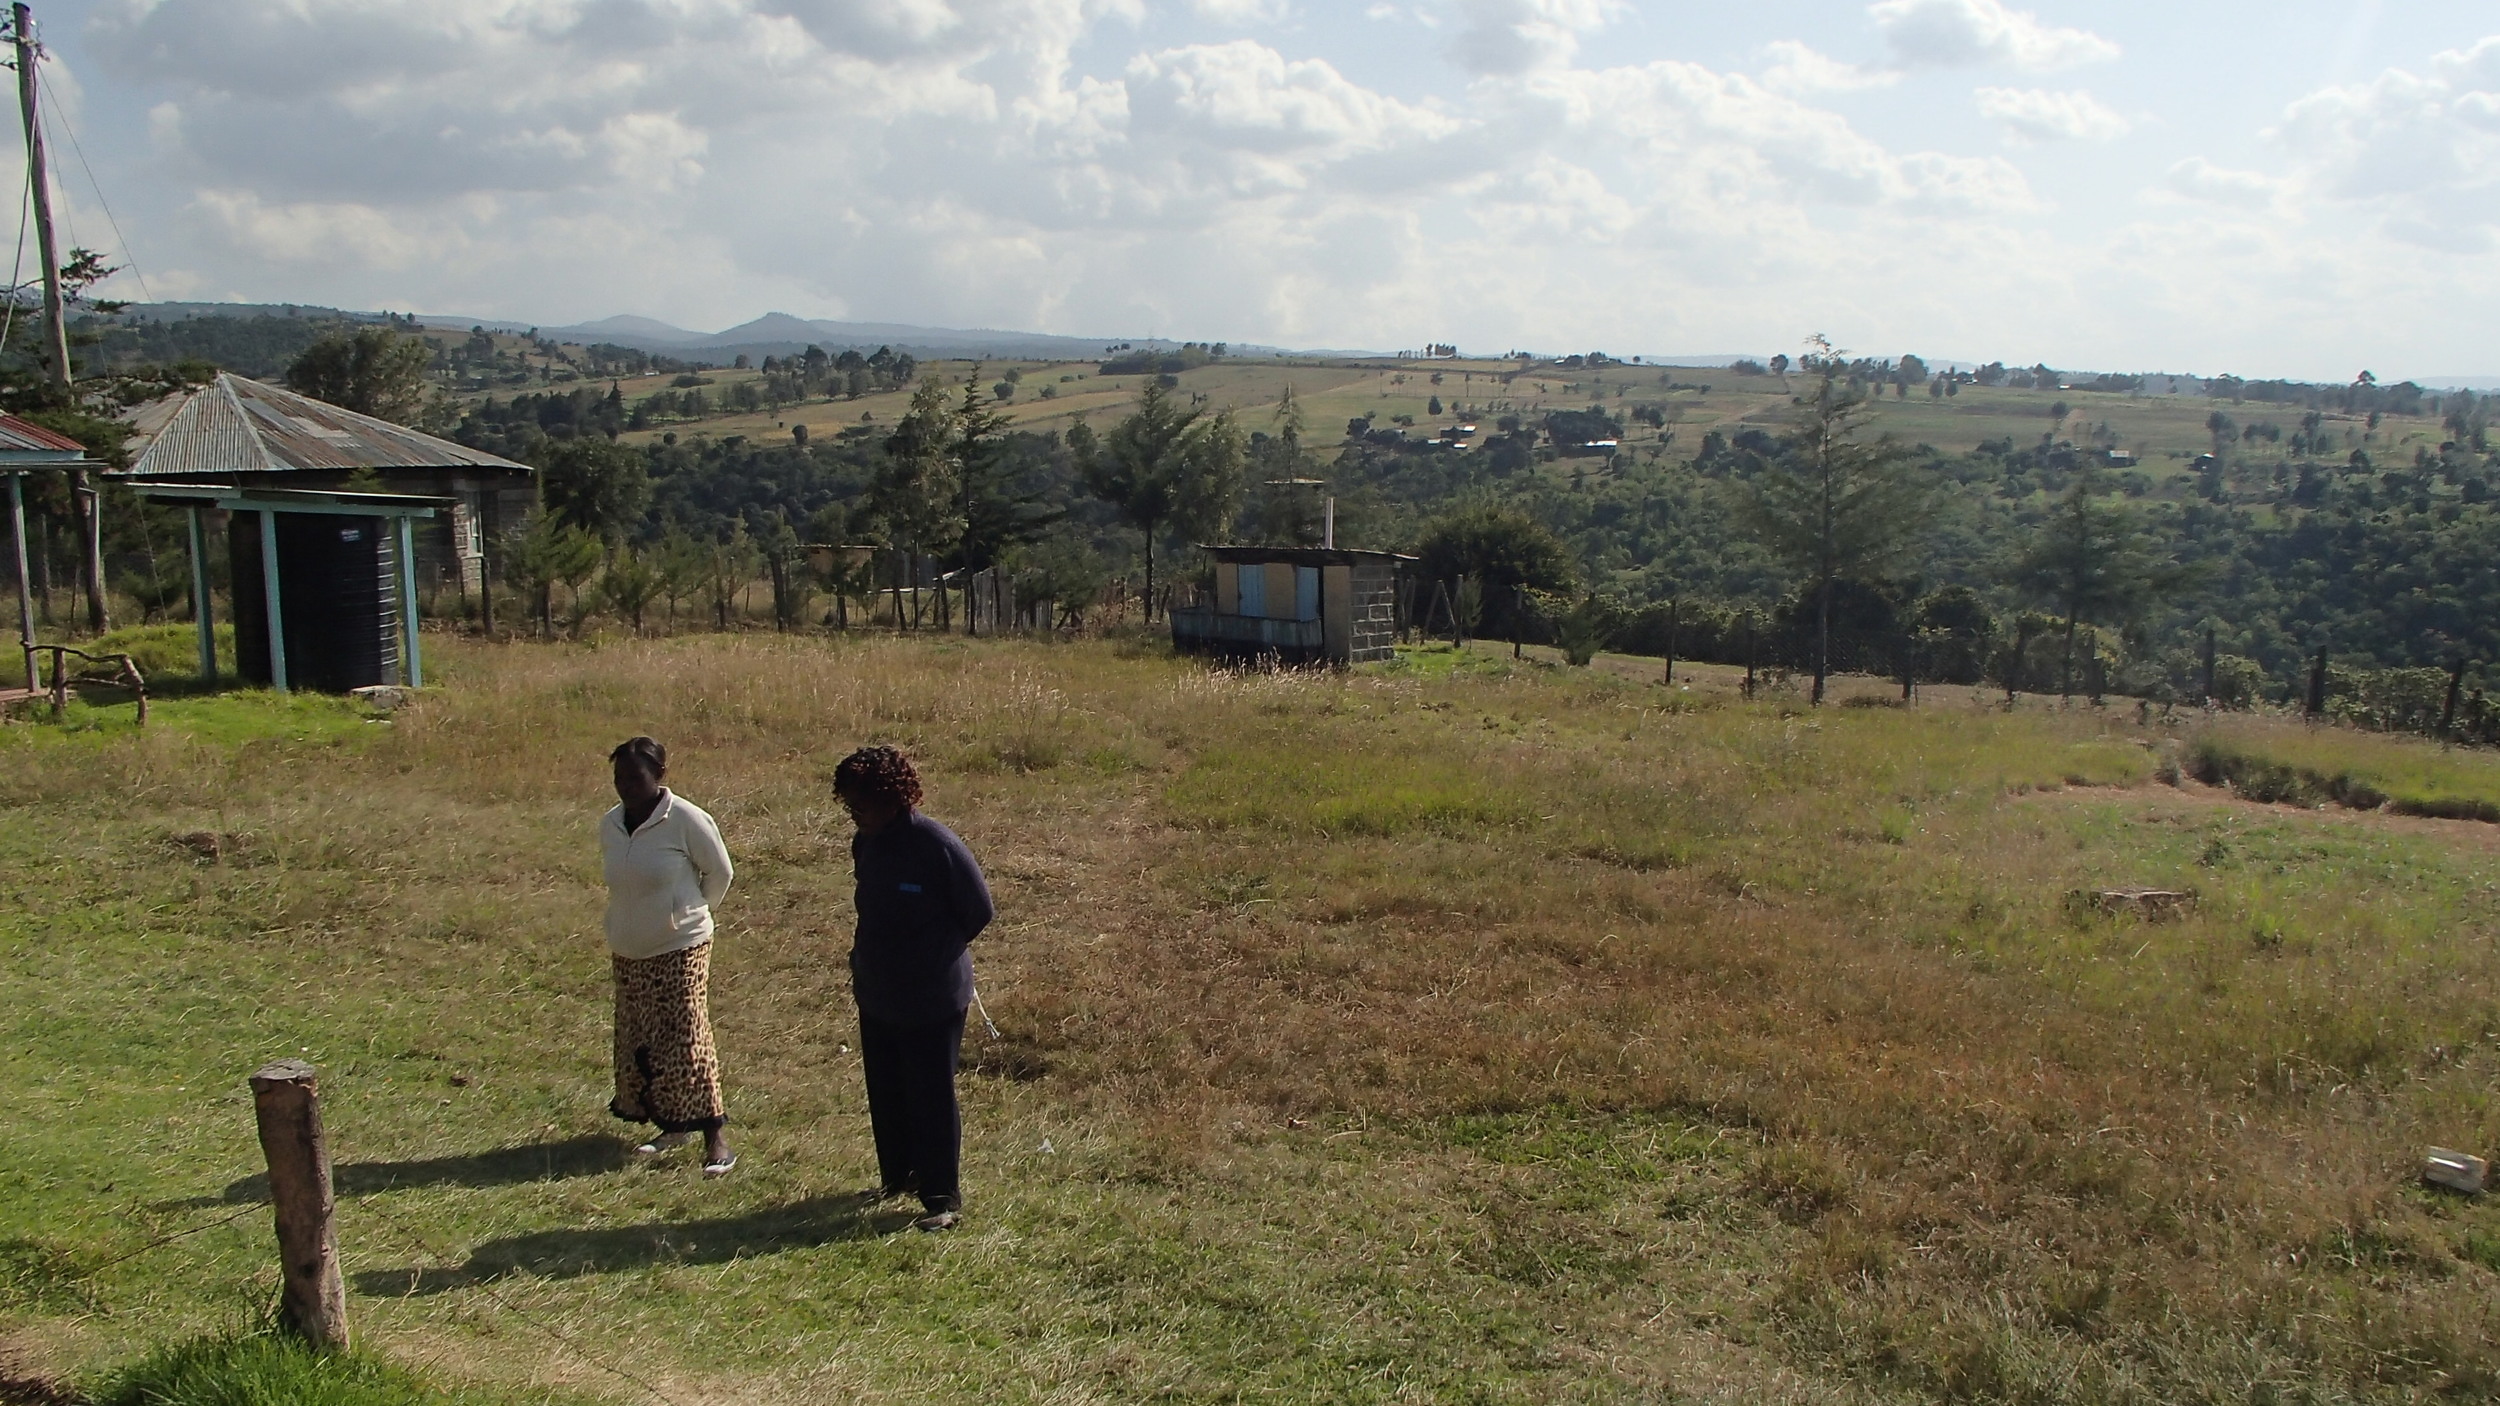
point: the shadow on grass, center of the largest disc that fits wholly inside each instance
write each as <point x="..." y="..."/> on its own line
<point x="567" y="1254"/>
<point x="590" y="1155"/>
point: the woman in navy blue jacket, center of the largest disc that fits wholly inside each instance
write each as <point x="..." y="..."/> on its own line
<point x="921" y="901"/>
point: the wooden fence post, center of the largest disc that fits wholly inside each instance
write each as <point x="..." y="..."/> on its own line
<point x="287" y="1103"/>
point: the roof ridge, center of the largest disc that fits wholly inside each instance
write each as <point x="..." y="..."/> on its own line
<point x="238" y="424"/>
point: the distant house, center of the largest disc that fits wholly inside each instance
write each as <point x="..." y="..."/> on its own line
<point x="2121" y="458"/>
<point x="1297" y="605"/>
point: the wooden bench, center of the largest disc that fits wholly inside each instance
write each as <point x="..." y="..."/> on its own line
<point x="124" y="675"/>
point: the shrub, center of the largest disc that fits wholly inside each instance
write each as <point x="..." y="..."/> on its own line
<point x="2239" y="682"/>
<point x="1581" y="632"/>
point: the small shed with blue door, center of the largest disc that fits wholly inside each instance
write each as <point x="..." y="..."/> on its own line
<point x="1296" y="605"/>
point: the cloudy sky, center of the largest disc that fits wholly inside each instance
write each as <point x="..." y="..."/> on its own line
<point x="2289" y="188"/>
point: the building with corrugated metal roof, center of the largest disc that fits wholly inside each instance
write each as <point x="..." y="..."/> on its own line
<point x="245" y="434"/>
<point x="26" y="448"/>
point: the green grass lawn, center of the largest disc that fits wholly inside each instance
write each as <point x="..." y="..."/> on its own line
<point x="1461" y="1030"/>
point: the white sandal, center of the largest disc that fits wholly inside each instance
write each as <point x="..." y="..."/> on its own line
<point x="665" y="1142"/>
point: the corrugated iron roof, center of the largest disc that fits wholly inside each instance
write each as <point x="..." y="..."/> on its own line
<point x="1299" y="556"/>
<point x="23" y="441"/>
<point x="237" y="425"/>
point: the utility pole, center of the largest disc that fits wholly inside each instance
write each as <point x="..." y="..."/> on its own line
<point x="56" y="327"/>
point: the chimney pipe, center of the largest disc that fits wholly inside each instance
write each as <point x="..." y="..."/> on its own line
<point x="1328" y="524"/>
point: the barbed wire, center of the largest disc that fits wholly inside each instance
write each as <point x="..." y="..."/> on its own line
<point x="410" y="1240"/>
<point x="164" y="1240"/>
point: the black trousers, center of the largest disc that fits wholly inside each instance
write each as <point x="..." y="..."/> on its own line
<point x="910" y="1071"/>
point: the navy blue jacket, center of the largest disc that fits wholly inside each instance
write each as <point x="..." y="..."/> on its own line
<point x="921" y="901"/>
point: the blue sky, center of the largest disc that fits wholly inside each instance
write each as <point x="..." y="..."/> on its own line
<point x="2287" y="189"/>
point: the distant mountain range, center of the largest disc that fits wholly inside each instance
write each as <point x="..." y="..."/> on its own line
<point x="780" y="334"/>
<point x="773" y="334"/>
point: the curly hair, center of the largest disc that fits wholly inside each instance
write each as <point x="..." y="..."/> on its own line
<point x="878" y="771"/>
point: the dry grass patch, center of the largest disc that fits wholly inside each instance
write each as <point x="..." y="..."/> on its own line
<point x="1487" y="1033"/>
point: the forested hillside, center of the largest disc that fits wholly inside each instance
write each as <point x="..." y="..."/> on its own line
<point x="2363" y="522"/>
<point x="2283" y="518"/>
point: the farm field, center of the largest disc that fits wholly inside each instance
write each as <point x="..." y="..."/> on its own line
<point x="1459" y="1029"/>
<point x="2165" y="431"/>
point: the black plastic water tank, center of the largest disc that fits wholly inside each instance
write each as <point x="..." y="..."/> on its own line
<point x="338" y="591"/>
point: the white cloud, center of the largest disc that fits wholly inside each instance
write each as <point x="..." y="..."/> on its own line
<point x="1039" y="163"/>
<point x="1254" y="96"/>
<point x="2038" y="115"/>
<point x="1509" y="37"/>
<point x="2199" y="179"/>
<point x="1963" y="33"/>
<point x="1242" y="119"/>
<point x="1801" y="71"/>
<point x="1242" y="14"/>
<point x="2422" y="151"/>
<point x="333" y="234"/>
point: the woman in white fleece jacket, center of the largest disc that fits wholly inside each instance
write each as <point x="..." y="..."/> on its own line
<point x="666" y="867"/>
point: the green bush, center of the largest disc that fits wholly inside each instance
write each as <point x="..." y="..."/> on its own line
<point x="2239" y="682"/>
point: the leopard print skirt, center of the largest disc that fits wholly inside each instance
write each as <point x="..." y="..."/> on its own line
<point x="666" y="1070"/>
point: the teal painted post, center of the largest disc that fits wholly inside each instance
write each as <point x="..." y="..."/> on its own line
<point x="200" y="608"/>
<point x="408" y="599"/>
<point x="269" y="596"/>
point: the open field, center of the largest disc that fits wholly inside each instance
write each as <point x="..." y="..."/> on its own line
<point x="2165" y="431"/>
<point x="1457" y="1030"/>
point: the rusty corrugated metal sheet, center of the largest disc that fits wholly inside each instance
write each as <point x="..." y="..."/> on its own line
<point x="237" y="425"/>
<point x="19" y="437"/>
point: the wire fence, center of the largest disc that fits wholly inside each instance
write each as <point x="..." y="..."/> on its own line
<point x="412" y="1242"/>
<point x="1961" y="644"/>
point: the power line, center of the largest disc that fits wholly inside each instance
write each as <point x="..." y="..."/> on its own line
<point x="98" y="187"/>
<point x="17" y="266"/>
